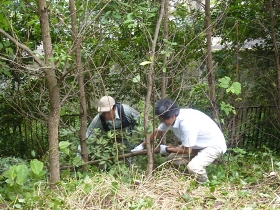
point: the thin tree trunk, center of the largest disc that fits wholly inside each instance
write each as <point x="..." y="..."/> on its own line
<point x="149" y="92"/>
<point x="164" y="81"/>
<point x="235" y="117"/>
<point x="276" y="51"/>
<point x="165" y="47"/>
<point x="80" y="76"/>
<point x="237" y="52"/>
<point x="53" y="89"/>
<point x="210" y="69"/>
<point x="88" y="101"/>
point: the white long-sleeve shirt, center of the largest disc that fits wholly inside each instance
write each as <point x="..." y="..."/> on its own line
<point x="197" y="130"/>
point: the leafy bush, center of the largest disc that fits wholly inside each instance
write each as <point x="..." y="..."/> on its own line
<point x="20" y="181"/>
<point x="244" y="168"/>
<point x="6" y="162"/>
<point x="239" y="179"/>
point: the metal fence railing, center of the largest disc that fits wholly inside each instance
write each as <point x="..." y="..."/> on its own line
<point x="250" y="128"/>
<point x="19" y="138"/>
<point x="253" y="127"/>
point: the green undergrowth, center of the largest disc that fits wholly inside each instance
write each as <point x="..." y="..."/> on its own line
<point x="238" y="180"/>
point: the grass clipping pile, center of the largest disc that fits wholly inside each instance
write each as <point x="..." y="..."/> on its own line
<point x="169" y="189"/>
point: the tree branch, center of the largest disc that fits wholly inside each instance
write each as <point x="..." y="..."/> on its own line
<point x="150" y="86"/>
<point x="96" y="162"/>
<point x="24" y="47"/>
<point x="65" y="74"/>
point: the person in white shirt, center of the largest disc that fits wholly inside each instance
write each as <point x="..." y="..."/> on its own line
<point x="202" y="139"/>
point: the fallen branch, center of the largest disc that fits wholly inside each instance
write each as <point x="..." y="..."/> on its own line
<point x="96" y="162"/>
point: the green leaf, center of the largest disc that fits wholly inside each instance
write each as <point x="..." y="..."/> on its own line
<point x="10" y="51"/>
<point x="6" y="43"/>
<point x="102" y="162"/>
<point x="42" y="173"/>
<point x="166" y="41"/>
<point x="33" y="153"/>
<point x="77" y="161"/>
<point x="17" y="206"/>
<point x="87" y="180"/>
<point x="129" y="18"/>
<point x="227" y="108"/>
<point x="236" y="88"/>
<point x="22" y="173"/>
<point x="64" y="144"/>
<point x="125" y="4"/>
<point x="51" y="204"/>
<point x="110" y="134"/>
<point x="164" y="69"/>
<point x="10" y="182"/>
<point x="6" y="72"/>
<point x="65" y="150"/>
<point x="187" y="198"/>
<point x="117" y="16"/>
<point x="10" y="173"/>
<point x="136" y="79"/>
<point x="212" y="189"/>
<point x="3" y="19"/>
<point x="36" y="166"/>
<point x="66" y="131"/>
<point x="115" y="185"/>
<point x="62" y="112"/>
<point x="21" y="200"/>
<point x="145" y="63"/>
<point x="224" y="82"/>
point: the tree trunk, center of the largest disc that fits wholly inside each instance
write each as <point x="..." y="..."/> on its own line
<point x="150" y="84"/>
<point x="210" y="69"/>
<point x="88" y="101"/>
<point x="164" y="81"/>
<point x="165" y="47"/>
<point x="237" y="52"/>
<point x="276" y="51"/>
<point x="53" y="89"/>
<point x="80" y="77"/>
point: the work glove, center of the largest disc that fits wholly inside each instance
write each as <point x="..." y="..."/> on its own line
<point x="78" y="154"/>
<point x="163" y="149"/>
<point x="138" y="148"/>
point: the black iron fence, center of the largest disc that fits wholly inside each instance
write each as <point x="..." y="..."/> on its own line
<point x="250" y="128"/>
<point x="253" y="127"/>
<point x="20" y="137"/>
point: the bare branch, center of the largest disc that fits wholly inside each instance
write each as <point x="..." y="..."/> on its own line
<point x="150" y="87"/>
<point x="24" y="47"/>
<point x="96" y="162"/>
<point x="64" y="75"/>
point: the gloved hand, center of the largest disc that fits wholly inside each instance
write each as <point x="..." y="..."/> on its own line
<point x="138" y="148"/>
<point x="163" y="149"/>
<point x="78" y="154"/>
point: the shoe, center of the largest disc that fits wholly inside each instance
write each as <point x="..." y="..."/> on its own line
<point x="201" y="179"/>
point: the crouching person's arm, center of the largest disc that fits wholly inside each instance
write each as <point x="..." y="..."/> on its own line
<point x="178" y="150"/>
<point x="153" y="136"/>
